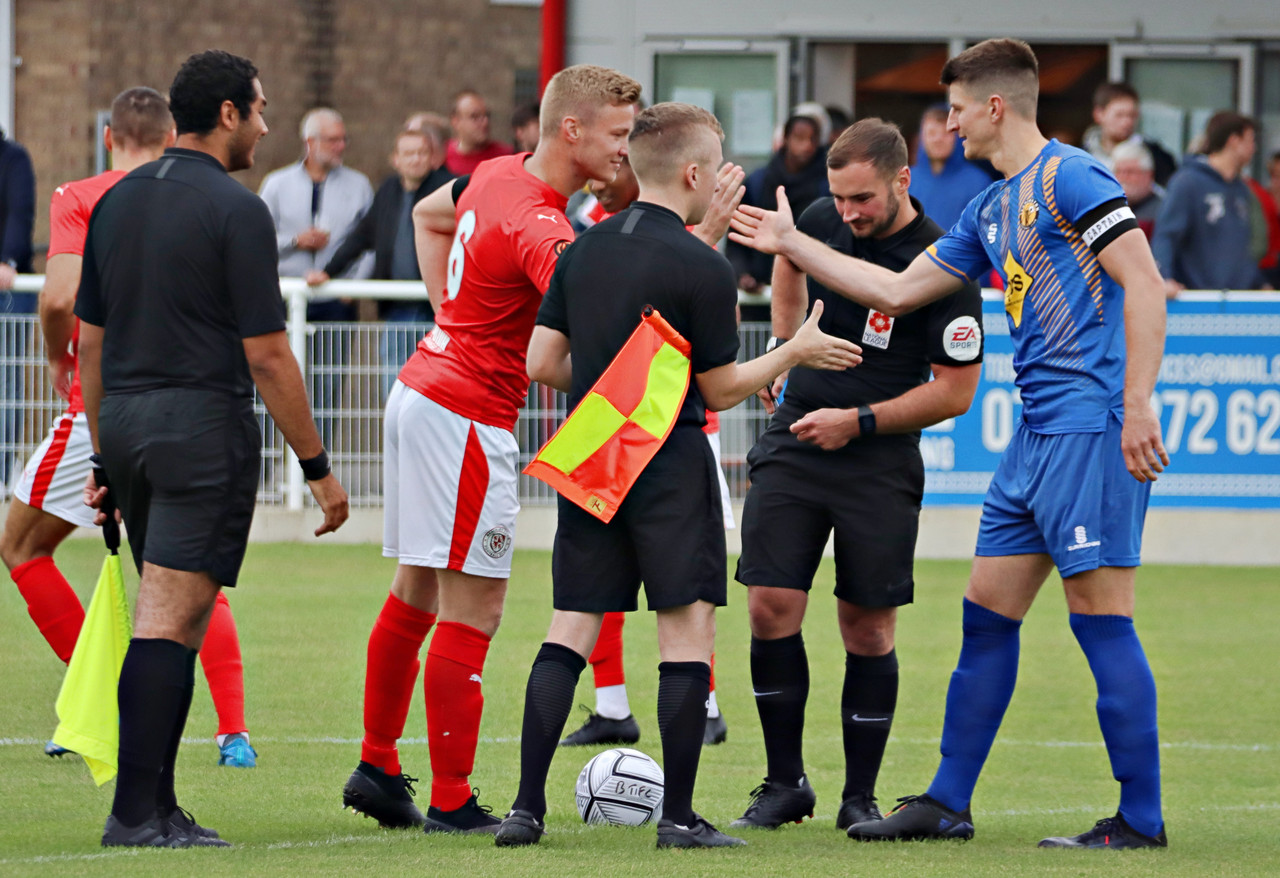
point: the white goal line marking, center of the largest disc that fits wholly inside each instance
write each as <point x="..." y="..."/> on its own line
<point x="412" y="838"/>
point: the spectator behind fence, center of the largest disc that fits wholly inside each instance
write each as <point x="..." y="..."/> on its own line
<point x="799" y="166"/>
<point x="314" y="203"/>
<point x="17" y="215"/>
<point x="470" y="144"/>
<point x="436" y="127"/>
<point x="942" y="179"/>
<point x="1201" y="240"/>
<point x="1271" y="272"/>
<point x="1134" y="168"/>
<point x="1115" y="116"/>
<point x="840" y="120"/>
<point x="524" y="127"/>
<point x="387" y="230"/>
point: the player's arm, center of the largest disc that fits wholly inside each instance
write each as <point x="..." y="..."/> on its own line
<point x="548" y="359"/>
<point x="872" y="286"/>
<point x="90" y="351"/>
<point x="788" y="300"/>
<point x="948" y="395"/>
<point x="57" y="304"/>
<point x="725" y="386"/>
<point x="1128" y="260"/>
<point x="434" y="222"/>
<point x="279" y="381"/>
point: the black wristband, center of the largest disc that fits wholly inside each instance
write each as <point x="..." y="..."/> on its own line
<point x="866" y="421"/>
<point x="315" y="468"/>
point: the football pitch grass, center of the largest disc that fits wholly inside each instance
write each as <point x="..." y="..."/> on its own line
<point x="304" y="614"/>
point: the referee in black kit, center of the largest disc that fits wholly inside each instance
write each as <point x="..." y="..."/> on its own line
<point x="669" y="532"/>
<point x="181" y="315"/>
<point x="842" y="453"/>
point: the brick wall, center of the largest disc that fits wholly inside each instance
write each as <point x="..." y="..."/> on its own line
<point x="389" y="59"/>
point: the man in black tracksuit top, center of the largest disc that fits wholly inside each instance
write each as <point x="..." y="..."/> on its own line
<point x="842" y="453"/>
<point x="669" y="532"/>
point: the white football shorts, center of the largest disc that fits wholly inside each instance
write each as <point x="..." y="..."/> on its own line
<point x="449" y="488"/>
<point x="53" y="479"/>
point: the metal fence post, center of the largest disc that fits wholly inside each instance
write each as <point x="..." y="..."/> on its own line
<point x="297" y="293"/>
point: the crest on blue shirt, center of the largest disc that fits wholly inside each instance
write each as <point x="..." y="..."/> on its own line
<point x="1028" y="212"/>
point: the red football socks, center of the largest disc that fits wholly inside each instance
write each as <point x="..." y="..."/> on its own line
<point x="391" y="671"/>
<point x="606" y="658"/>
<point x="452" y="682"/>
<point x="52" y="603"/>
<point x="223" y="668"/>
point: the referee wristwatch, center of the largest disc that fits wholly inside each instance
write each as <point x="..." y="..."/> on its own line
<point x="774" y="341"/>
<point x="866" y="421"/>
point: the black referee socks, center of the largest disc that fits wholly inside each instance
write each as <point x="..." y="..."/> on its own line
<point x="548" y="698"/>
<point x="867" y="704"/>
<point x="780" y="683"/>
<point x="683" y="688"/>
<point x="156" y="681"/>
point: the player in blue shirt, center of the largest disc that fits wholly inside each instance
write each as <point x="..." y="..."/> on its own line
<point x="1085" y="306"/>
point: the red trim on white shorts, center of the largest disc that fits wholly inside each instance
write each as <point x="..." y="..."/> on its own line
<point x="49" y="464"/>
<point x="473" y="485"/>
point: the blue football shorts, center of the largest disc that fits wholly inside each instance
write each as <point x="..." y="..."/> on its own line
<point x="1067" y="495"/>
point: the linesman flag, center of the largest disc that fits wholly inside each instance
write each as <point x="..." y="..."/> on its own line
<point x="606" y="442"/>
<point x="88" y="712"/>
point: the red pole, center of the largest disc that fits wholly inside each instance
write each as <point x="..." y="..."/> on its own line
<point x="553" y="26"/>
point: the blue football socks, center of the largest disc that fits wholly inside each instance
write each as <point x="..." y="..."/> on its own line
<point x="1126" y="713"/>
<point x="977" y="698"/>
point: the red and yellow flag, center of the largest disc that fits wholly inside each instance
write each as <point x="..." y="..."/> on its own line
<point x="606" y="442"/>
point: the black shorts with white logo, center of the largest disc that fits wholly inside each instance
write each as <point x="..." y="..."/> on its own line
<point x="668" y="534"/>
<point x="183" y="466"/>
<point x="800" y="494"/>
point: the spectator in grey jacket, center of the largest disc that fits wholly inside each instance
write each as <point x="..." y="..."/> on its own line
<point x="1201" y="239"/>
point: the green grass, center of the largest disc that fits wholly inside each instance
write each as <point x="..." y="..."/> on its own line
<point x="304" y="614"/>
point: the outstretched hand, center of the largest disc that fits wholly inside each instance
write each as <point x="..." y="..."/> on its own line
<point x="817" y="350"/>
<point x="763" y="230"/>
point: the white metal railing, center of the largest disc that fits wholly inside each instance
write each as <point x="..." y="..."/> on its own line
<point x="348" y="368"/>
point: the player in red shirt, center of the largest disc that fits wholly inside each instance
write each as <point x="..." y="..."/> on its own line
<point x="487" y="245"/>
<point x="48" y="502"/>
<point x="612" y="722"/>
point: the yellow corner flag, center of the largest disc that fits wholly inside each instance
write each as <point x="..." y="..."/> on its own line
<point x="88" y="713"/>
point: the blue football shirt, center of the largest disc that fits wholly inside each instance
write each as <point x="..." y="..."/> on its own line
<point x="1042" y="230"/>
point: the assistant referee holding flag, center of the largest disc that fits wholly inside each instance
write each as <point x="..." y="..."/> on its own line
<point x="181" y="316"/>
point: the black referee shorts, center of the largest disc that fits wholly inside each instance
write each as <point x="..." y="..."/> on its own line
<point x="800" y="494"/>
<point x="183" y="466"/>
<point x="668" y="534"/>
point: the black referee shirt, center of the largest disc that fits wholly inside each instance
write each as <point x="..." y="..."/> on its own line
<point x="180" y="265"/>
<point x="642" y="256"/>
<point x="915" y="341"/>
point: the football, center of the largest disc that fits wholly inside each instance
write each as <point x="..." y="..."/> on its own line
<point x="620" y="787"/>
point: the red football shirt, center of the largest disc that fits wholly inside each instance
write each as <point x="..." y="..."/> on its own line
<point x="69" y="213"/>
<point x="511" y="230"/>
<point x="461" y="165"/>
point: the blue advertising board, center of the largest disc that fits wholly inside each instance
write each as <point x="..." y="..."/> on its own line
<point x="1218" y="397"/>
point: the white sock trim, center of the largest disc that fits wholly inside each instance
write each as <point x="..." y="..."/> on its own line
<point x="611" y="702"/>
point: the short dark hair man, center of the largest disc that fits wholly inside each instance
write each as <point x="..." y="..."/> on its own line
<point x="839" y="444"/>
<point x="181" y="316"/>
<point x="669" y="531"/>
<point x="1202" y="233"/>
<point x="1115" y="116"/>
<point x="1085" y="309"/>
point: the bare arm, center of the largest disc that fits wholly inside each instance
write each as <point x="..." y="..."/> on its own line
<point x="434" y="222"/>
<point x="279" y="381"/>
<point x="727" y="385"/>
<point x="548" y="359"/>
<point x="948" y="395"/>
<point x="1129" y="262"/>
<point x="91" y="375"/>
<point x="873" y="286"/>
<point x="58" y="319"/>
<point x="787" y="303"/>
